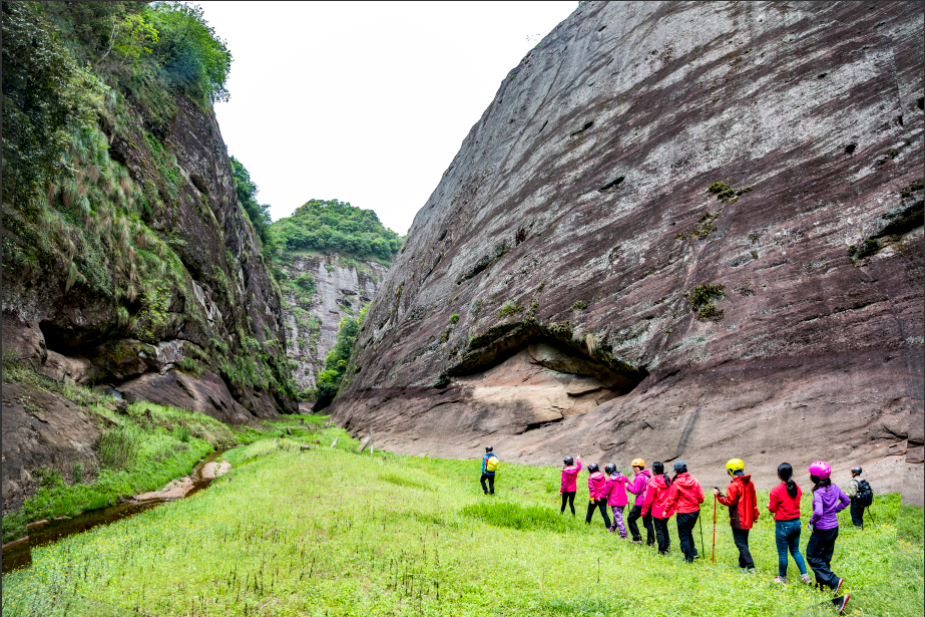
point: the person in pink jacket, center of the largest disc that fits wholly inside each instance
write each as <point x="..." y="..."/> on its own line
<point x="569" y="485"/>
<point x="596" y="499"/>
<point x="657" y="502"/>
<point x="638" y="488"/>
<point x="615" y="493"/>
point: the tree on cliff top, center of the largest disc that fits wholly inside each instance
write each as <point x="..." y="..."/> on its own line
<point x="335" y="226"/>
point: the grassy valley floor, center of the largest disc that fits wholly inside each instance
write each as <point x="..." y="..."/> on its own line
<point x="328" y="531"/>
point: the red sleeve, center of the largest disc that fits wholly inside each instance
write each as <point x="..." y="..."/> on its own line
<point x="755" y="502"/>
<point x="673" y="495"/>
<point x="774" y="501"/>
<point x="730" y="497"/>
<point x="699" y="493"/>
<point x="650" y="494"/>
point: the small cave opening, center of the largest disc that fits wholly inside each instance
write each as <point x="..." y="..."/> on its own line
<point x="581" y="371"/>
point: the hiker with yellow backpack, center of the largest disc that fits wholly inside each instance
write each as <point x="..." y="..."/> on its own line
<point x="489" y="467"/>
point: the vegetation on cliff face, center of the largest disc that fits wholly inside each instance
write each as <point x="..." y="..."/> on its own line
<point x="336" y="227"/>
<point x="246" y="190"/>
<point x="336" y="364"/>
<point x="94" y="195"/>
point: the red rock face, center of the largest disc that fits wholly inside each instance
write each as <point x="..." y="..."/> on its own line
<point x="720" y="204"/>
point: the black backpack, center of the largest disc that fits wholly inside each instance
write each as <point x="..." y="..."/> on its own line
<point x="865" y="495"/>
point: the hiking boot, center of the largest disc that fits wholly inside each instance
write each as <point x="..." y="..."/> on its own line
<point x="806" y="579"/>
<point x="637" y="541"/>
<point x="841" y="603"/>
<point x="748" y="570"/>
<point x="780" y="579"/>
<point x="838" y="587"/>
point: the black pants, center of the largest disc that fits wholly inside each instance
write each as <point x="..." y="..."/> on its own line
<point x="635" y="515"/>
<point x="661" y="534"/>
<point x="686" y="522"/>
<point x="740" y="537"/>
<point x="857" y="514"/>
<point x="598" y="504"/>
<point x="568" y="496"/>
<point x="819" y="553"/>
<point x="491" y="483"/>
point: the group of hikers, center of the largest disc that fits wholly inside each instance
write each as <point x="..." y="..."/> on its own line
<point x="658" y="497"/>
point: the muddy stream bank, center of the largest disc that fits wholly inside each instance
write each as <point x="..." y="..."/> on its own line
<point x="18" y="554"/>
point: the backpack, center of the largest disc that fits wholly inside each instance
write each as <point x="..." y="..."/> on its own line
<point x="491" y="465"/>
<point x="865" y="495"/>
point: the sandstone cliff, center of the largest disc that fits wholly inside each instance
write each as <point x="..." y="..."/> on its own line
<point x="679" y="231"/>
<point x="342" y="286"/>
<point x="135" y="269"/>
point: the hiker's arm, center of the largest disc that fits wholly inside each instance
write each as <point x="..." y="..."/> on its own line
<point x="729" y="497"/>
<point x="852" y="490"/>
<point x="843" y="501"/>
<point x="773" y="503"/>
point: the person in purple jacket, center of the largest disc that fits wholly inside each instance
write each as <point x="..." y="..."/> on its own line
<point x="828" y="501"/>
<point x="638" y="487"/>
<point x="615" y="494"/>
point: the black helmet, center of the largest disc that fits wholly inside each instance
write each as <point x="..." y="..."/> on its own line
<point x="610" y="468"/>
<point x="593" y="467"/>
<point x="680" y="467"/>
<point x="488" y="448"/>
<point x="856" y="471"/>
<point x="658" y="468"/>
<point x="569" y="461"/>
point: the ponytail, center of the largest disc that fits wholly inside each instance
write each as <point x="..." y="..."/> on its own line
<point x="785" y="473"/>
<point x="658" y="468"/>
<point x="820" y="483"/>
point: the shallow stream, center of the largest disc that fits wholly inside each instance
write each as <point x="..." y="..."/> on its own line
<point x="18" y="554"/>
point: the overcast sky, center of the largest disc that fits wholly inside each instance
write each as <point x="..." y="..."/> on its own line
<point x="364" y="102"/>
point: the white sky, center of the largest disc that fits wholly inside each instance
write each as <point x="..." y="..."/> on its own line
<point x="364" y="102"/>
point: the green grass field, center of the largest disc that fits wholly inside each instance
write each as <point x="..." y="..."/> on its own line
<point x="332" y="532"/>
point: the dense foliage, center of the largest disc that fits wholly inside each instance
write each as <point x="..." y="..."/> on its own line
<point x="335" y="226"/>
<point x="247" y="196"/>
<point x="338" y="359"/>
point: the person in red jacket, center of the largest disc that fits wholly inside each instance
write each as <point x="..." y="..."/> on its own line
<point x="569" y="485"/>
<point x="743" y="510"/>
<point x="596" y="483"/>
<point x="685" y="497"/>
<point x="657" y="503"/>
<point x="784" y="504"/>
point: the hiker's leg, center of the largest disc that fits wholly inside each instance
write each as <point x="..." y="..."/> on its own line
<point x="484" y="486"/>
<point x="781" y="539"/>
<point x="613" y="521"/>
<point x="661" y="532"/>
<point x="685" y="540"/>
<point x="564" y="501"/>
<point x="828" y="550"/>
<point x="602" y="503"/>
<point x="813" y="556"/>
<point x="491" y="484"/>
<point x="635" y="513"/>
<point x="740" y="536"/>
<point x="592" y="506"/>
<point x="618" y="520"/>
<point x="650" y="530"/>
<point x="857" y="514"/>
<point x="793" y="542"/>
<point x="571" y="501"/>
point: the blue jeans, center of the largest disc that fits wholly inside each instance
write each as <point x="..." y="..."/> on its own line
<point x="787" y="534"/>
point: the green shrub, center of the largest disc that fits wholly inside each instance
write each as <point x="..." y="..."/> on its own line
<point x="118" y="449"/>
<point x="510" y="309"/>
<point x="454" y="318"/>
<point x="183" y="434"/>
<point x="701" y="300"/>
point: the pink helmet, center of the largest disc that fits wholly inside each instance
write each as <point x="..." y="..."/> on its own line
<point x="820" y="469"/>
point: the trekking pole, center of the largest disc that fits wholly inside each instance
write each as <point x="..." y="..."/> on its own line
<point x="871" y="514"/>
<point x="713" y="558"/>
<point x="702" y="546"/>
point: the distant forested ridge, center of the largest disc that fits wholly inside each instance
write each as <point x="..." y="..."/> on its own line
<point x="337" y="227"/>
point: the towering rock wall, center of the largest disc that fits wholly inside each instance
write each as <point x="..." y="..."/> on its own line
<point x="679" y="231"/>
<point x="342" y="287"/>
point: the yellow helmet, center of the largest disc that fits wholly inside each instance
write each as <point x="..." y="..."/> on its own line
<point x="735" y="464"/>
<point x="638" y="462"/>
